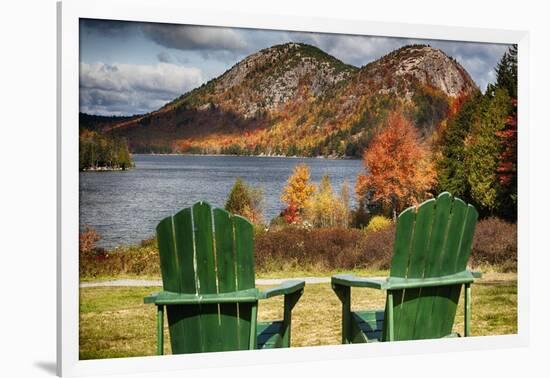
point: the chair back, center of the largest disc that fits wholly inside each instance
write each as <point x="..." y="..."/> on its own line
<point x="207" y="251"/>
<point x="432" y="240"/>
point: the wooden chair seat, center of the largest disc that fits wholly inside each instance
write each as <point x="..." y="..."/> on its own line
<point x="367" y="326"/>
<point x="269" y="335"/>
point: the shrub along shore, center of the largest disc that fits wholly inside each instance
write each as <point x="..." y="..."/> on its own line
<point x="316" y="251"/>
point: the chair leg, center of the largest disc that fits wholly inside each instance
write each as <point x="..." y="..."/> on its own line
<point x="344" y="293"/>
<point x="467" y="309"/>
<point x="253" y="322"/>
<point x="391" y="336"/>
<point x="290" y="301"/>
<point x="160" y="330"/>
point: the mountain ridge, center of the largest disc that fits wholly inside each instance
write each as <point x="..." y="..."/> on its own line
<point x="296" y="99"/>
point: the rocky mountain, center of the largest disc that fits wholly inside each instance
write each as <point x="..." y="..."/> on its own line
<point x="295" y="99"/>
<point x="269" y="79"/>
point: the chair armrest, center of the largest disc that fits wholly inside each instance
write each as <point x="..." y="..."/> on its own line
<point x="171" y="298"/>
<point x="151" y="298"/>
<point x="397" y="283"/>
<point x="287" y="287"/>
<point x="460" y="278"/>
<point x="476" y="274"/>
<point x="350" y="280"/>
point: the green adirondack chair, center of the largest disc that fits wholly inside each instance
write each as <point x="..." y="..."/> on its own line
<point x="428" y="269"/>
<point x="207" y="266"/>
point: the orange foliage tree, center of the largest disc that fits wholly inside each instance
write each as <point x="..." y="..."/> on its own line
<point x="399" y="171"/>
<point x="297" y="193"/>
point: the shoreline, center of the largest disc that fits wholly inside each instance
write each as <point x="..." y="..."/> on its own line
<point x="258" y="156"/>
<point x="105" y="169"/>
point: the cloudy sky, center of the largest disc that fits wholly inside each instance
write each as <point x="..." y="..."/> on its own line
<point x="132" y="68"/>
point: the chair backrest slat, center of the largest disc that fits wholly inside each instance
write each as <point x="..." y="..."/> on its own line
<point x="451" y="252"/>
<point x="204" y="248"/>
<point x="226" y="269"/>
<point x="244" y="250"/>
<point x="402" y="244"/>
<point x="225" y="251"/>
<point x="183" y="225"/>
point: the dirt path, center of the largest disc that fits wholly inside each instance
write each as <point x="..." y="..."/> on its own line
<point x="487" y="277"/>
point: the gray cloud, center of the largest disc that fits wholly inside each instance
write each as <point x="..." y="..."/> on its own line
<point x="187" y="37"/>
<point x="123" y="89"/>
<point x="164" y="57"/>
<point x="108" y="28"/>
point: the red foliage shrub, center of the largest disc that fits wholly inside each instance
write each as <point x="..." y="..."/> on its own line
<point x="290" y="214"/>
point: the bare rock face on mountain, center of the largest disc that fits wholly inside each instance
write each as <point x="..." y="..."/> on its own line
<point x="269" y="79"/>
<point x="296" y="99"/>
<point x="431" y="67"/>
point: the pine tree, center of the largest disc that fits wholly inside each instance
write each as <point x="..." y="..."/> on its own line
<point x="245" y="201"/>
<point x="450" y="166"/>
<point x="483" y="149"/>
<point x="507" y="72"/>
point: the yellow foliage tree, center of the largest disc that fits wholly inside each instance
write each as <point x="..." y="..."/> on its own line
<point x="297" y="192"/>
<point x="326" y="209"/>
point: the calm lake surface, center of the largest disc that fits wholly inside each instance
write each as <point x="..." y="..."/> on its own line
<point x="125" y="206"/>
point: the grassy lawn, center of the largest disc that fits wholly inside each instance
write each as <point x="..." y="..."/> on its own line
<point x="114" y="322"/>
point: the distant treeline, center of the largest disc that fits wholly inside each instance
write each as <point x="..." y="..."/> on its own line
<point x="99" y="152"/>
<point x="93" y="122"/>
<point x="259" y="150"/>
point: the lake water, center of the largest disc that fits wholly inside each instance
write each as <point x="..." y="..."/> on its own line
<point x="124" y="207"/>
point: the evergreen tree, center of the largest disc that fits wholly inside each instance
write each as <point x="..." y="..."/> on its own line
<point x="507" y="72"/>
<point x="451" y="170"/>
<point x="483" y="149"/>
<point x="245" y="201"/>
<point x="103" y="151"/>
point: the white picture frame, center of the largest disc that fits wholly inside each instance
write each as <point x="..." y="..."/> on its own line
<point x="69" y="13"/>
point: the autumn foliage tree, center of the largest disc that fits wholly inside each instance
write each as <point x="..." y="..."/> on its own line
<point x="399" y="171"/>
<point x="326" y="208"/>
<point x="296" y="193"/>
